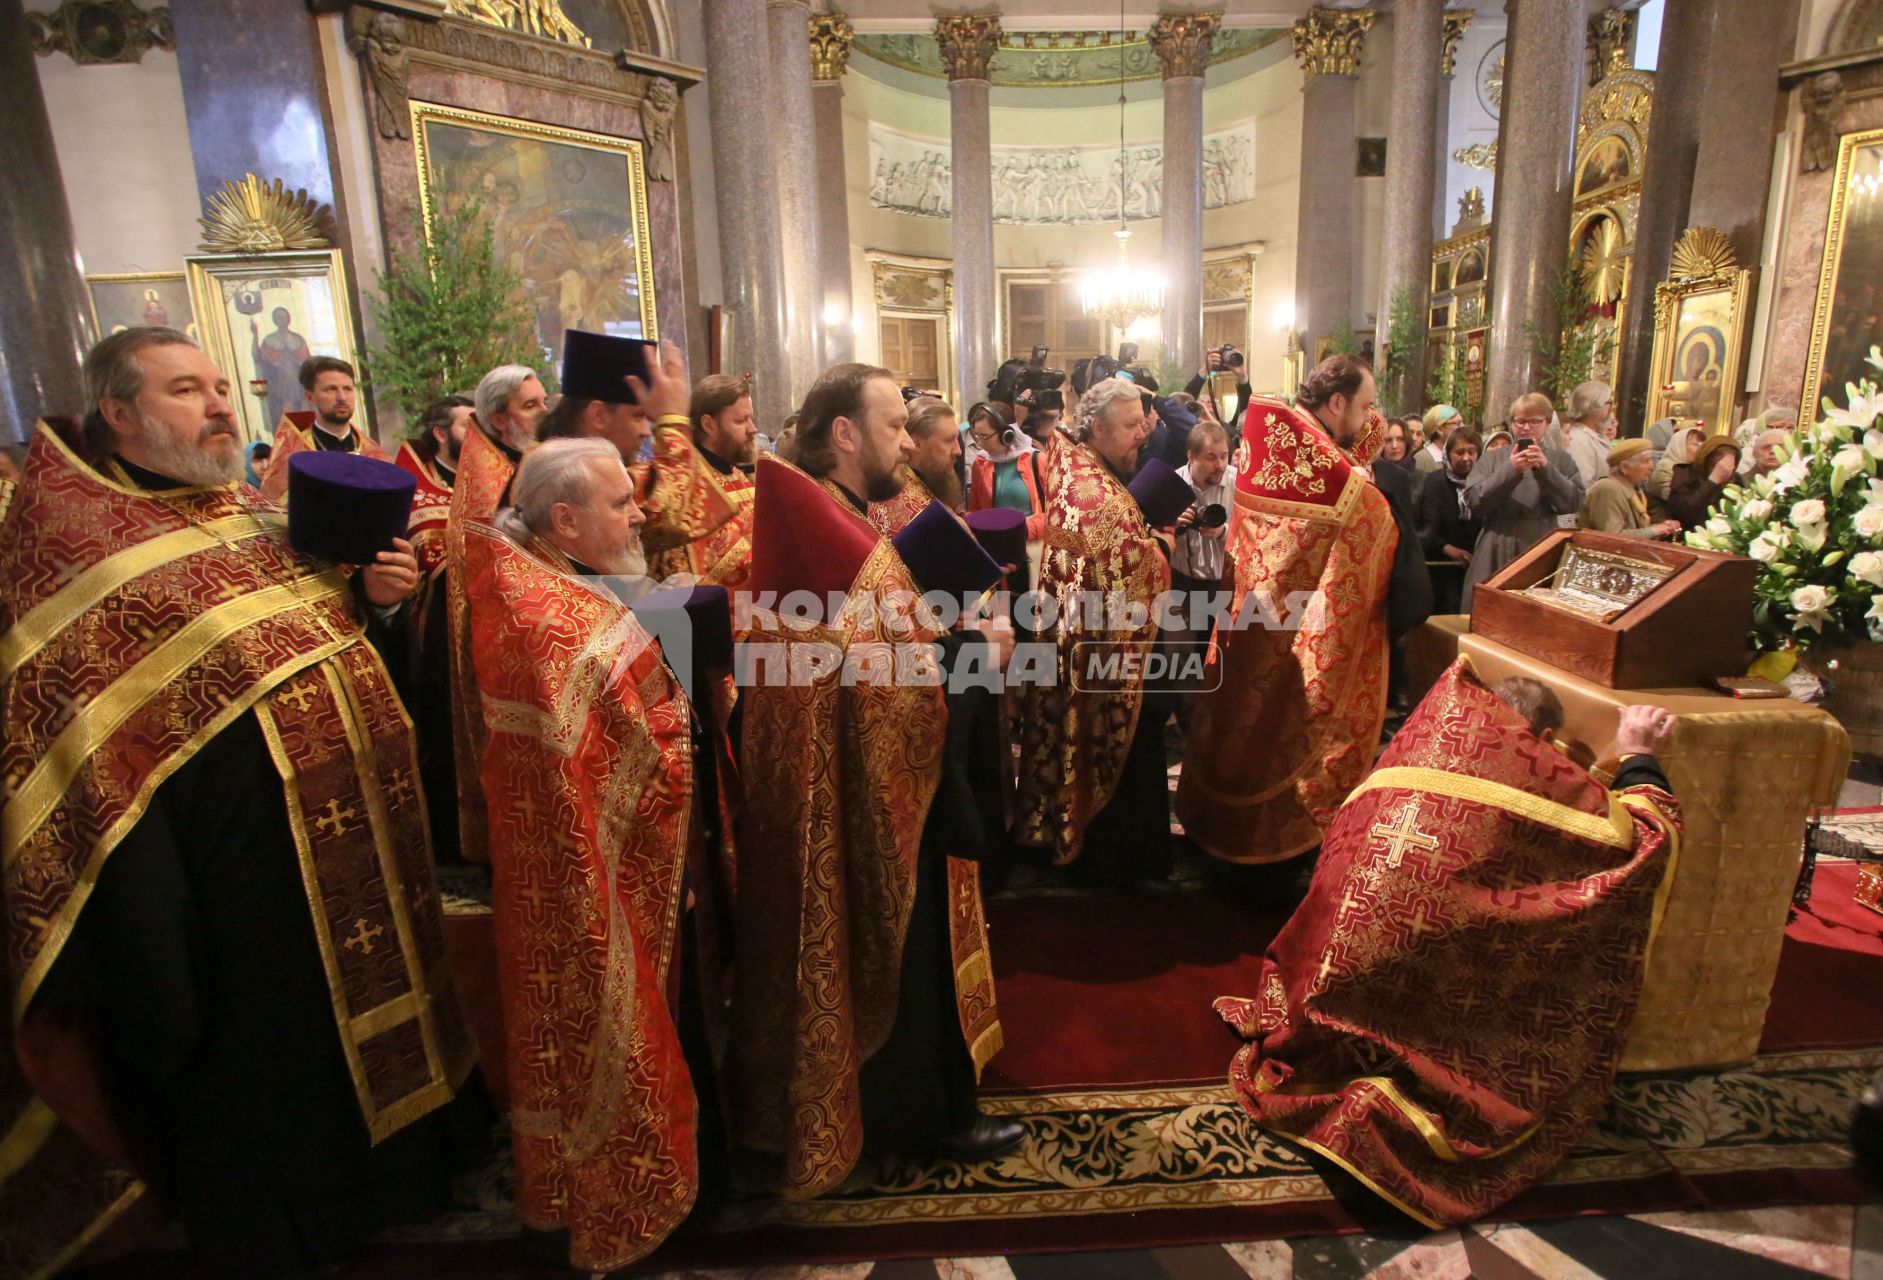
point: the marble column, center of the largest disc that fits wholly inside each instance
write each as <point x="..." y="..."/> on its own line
<point x="1413" y="137"/>
<point x="255" y="97"/>
<point x="1708" y="155"/>
<point x="1457" y="22"/>
<point x="830" y="56"/>
<point x="967" y="45"/>
<point x="1327" y="43"/>
<point x="1536" y="136"/>
<point x="45" y="316"/>
<point x="791" y="130"/>
<point x="1182" y="42"/>
<point x="738" y="48"/>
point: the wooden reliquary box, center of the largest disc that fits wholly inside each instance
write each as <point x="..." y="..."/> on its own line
<point x="1625" y="613"/>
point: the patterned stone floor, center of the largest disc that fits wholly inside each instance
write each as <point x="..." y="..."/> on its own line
<point x="1823" y="1240"/>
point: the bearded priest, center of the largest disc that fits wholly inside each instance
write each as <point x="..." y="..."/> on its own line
<point x="863" y="1004"/>
<point x="1081" y="750"/>
<point x="1329" y="570"/>
<point x="327" y="424"/>
<point x="1445" y="1013"/>
<point x="929" y="475"/>
<point x="696" y="490"/>
<point x="229" y="978"/>
<point x="588" y="778"/>
<point x="509" y="405"/>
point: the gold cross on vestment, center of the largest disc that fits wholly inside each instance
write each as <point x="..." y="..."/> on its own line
<point x="298" y="697"/>
<point x="398" y="788"/>
<point x="1405" y="834"/>
<point x="337" y="819"/>
<point x="363" y="935"/>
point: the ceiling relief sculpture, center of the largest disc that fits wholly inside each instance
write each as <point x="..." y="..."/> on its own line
<point x="1061" y="186"/>
<point x="1057" y="59"/>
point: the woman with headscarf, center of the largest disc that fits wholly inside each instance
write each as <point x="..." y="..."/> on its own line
<point x="1615" y="503"/>
<point x="1687" y="437"/>
<point x="255" y="461"/>
<point x="1659" y="434"/>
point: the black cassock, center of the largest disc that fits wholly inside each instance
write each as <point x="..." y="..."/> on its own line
<point x="919" y="1087"/>
<point x="196" y="955"/>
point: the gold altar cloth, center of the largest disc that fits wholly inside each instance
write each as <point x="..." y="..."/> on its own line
<point x="1748" y="775"/>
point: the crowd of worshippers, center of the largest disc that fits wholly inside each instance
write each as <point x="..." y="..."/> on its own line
<point x="253" y="701"/>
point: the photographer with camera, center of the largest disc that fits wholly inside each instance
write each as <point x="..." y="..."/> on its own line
<point x="1520" y="491"/>
<point x="1218" y="360"/>
<point x="1033" y="391"/>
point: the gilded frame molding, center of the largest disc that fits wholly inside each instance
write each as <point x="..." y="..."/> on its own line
<point x="136" y="277"/>
<point x="1726" y="278"/>
<point x="632" y="151"/>
<point x="206" y="273"/>
<point x="1832" y="267"/>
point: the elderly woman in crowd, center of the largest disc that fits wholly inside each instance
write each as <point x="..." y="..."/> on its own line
<point x="1615" y="503"/>
<point x="1587" y="427"/>
<point x="1439" y="422"/>
<point x="1679" y="452"/>
<point x="1698" y="486"/>
<point x="1521" y="494"/>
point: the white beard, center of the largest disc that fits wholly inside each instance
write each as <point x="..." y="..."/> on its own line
<point x="630" y="563"/>
<point x="183" y="463"/>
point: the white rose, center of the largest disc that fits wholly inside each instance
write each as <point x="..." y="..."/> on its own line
<point x="1810" y="599"/>
<point x="1869" y="522"/>
<point x="1868" y="566"/>
<point x="1758" y="511"/>
<point x="1810" y="511"/>
<point x="1850" y="460"/>
<point x="1764" y="549"/>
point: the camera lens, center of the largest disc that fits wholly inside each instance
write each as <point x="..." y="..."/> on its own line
<point x="1213" y="516"/>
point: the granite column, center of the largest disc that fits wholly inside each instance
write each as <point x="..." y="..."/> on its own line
<point x="1327" y="43"/>
<point x="45" y="315"/>
<point x="793" y="139"/>
<point x="744" y="167"/>
<point x="1182" y="42"/>
<point x="967" y="46"/>
<point x="1412" y="133"/>
<point x="830" y="55"/>
<point x="1536" y="137"/>
<point x="1457" y="22"/>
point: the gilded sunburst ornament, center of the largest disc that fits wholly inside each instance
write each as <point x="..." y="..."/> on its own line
<point x="1703" y="251"/>
<point x="1603" y="266"/>
<point x="252" y="216"/>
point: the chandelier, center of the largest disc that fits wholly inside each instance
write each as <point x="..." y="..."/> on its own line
<point x="1123" y="295"/>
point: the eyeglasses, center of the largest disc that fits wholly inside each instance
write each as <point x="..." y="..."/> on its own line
<point x="983" y="437"/>
<point x="1529" y="422"/>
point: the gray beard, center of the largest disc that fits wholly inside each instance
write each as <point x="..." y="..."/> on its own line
<point x="945" y="485"/>
<point x="630" y="563"/>
<point x="183" y="463"/>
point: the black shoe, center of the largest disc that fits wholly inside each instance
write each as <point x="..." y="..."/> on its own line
<point x="986" y="1138"/>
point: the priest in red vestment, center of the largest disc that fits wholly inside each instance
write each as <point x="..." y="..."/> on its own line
<point x="930" y="473"/>
<point x="587" y="778"/>
<point x="863" y="1003"/>
<point x="1328" y="570"/>
<point x="228" y="976"/>
<point x="1081" y="754"/>
<point x="509" y="404"/>
<point x="328" y="425"/>
<point x="697" y="490"/>
<point x="1443" y="1015"/>
<point x="431" y="456"/>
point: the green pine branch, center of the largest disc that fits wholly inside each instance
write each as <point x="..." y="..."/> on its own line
<point x="448" y="312"/>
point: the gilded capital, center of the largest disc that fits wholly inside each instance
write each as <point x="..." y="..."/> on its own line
<point x="1457" y="22"/>
<point x="968" y="41"/>
<point x="1182" y="42"/>
<point x="1609" y="33"/>
<point x="1327" y="41"/>
<point x="830" y="46"/>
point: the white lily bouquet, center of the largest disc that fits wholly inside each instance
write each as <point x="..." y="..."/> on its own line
<point x="1815" y="525"/>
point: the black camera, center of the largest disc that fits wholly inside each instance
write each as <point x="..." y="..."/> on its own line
<point x="1229" y="357"/>
<point x="1016" y="375"/>
<point x="1214" y="516"/>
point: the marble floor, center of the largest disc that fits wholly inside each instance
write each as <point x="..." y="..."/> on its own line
<point x="1751" y="1244"/>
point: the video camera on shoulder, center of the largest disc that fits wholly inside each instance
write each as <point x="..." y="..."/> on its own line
<point x="1017" y="376"/>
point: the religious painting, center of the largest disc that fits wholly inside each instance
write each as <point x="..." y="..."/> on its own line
<point x="1441" y="316"/>
<point x="1474" y="371"/>
<point x="141" y="299"/>
<point x="261" y="316"/>
<point x="1372" y="159"/>
<point x="1606" y="164"/>
<point x="568" y="210"/>
<point x="1699" y="331"/>
<point x="1848" y="319"/>
<point x="1441" y="276"/>
<point x="1470" y="269"/>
